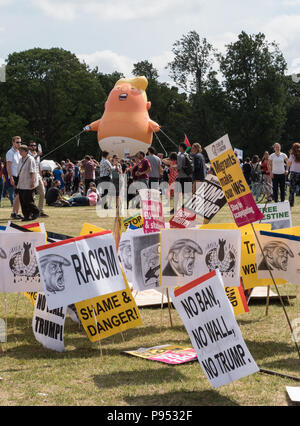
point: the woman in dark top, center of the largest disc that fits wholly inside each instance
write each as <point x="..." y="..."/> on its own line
<point x="247" y="170"/>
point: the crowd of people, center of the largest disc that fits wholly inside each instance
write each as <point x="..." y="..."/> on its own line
<point x="85" y="182"/>
<point x="278" y="170"/>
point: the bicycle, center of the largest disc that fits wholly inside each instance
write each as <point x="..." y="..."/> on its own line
<point x="261" y="190"/>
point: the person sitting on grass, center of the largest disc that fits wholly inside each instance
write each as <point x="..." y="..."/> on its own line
<point x="86" y="200"/>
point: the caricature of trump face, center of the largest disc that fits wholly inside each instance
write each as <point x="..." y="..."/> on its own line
<point x="277" y="255"/>
<point x="182" y="256"/>
<point x="53" y="273"/>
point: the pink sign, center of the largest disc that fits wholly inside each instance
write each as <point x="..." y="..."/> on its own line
<point x="152" y="211"/>
<point x="245" y="210"/>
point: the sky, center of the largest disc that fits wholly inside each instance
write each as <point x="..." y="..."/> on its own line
<point x="115" y="34"/>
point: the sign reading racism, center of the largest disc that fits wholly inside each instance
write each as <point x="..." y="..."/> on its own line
<point x="187" y="254"/>
<point x="18" y="263"/>
<point x="79" y="268"/>
<point x="280" y="254"/>
<point x="233" y="183"/>
<point x="215" y="335"/>
<point x="48" y="325"/>
<point x="168" y="354"/>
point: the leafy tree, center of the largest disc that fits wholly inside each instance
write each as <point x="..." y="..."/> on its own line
<point x="146" y="69"/>
<point x="253" y="71"/>
<point x="193" y="60"/>
<point x="56" y="94"/>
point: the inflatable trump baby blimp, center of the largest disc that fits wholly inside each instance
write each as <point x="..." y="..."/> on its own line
<point x="125" y="127"/>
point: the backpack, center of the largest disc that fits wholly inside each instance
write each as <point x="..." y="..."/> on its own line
<point x="188" y="165"/>
<point x="255" y="173"/>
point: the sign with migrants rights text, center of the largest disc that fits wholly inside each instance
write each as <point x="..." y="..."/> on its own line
<point x="233" y="182"/>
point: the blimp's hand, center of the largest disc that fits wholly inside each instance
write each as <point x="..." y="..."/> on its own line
<point x="154" y="126"/>
<point x="86" y="128"/>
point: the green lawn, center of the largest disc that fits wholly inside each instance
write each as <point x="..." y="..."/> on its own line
<point x="32" y="375"/>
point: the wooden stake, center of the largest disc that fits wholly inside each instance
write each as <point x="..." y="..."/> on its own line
<point x="18" y="296"/>
<point x="169" y="308"/>
<point x="268" y="300"/>
<point x="161" y="308"/>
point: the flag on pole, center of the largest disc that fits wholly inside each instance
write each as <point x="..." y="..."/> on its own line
<point x="186" y="141"/>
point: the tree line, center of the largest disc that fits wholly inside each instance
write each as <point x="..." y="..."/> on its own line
<point x="49" y="95"/>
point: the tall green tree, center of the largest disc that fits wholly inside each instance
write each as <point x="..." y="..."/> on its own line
<point x="253" y="71"/>
<point x="56" y="94"/>
<point x="193" y="61"/>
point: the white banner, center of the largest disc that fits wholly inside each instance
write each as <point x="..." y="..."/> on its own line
<point x="18" y="264"/>
<point x="48" y="326"/>
<point x="146" y="261"/>
<point x="215" y="335"/>
<point x="277" y="214"/>
<point x="80" y="268"/>
<point x="125" y="251"/>
<point x="187" y="254"/>
<point x="280" y="254"/>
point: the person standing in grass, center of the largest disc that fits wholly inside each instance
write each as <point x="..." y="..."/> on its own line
<point x="293" y="167"/>
<point x="277" y="163"/>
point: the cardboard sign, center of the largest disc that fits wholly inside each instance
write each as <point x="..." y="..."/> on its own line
<point x="145" y="261"/>
<point x="183" y="219"/>
<point x="280" y="254"/>
<point x="105" y="316"/>
<point x="107" y="309"/>
<point x="133" y="222"/>
<point x="190" y="253"/>
<point x="152" y="211"/>
<point x="233" y="182"/>
<point x="236" y="297"/>
<point x="18" y="263"/>
<point x="277" y="214"/>
<point x="215" y="335"/>
<point x="79" y="268"/>
<point x="168" y="354"/>
<point x="125" y="251"/>
<point x="32" y="296"/>
<point x="48" y="326"/>
<point x="248" y="255"/>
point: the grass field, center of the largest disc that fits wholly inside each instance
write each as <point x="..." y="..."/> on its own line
<point x="32" y="375"/>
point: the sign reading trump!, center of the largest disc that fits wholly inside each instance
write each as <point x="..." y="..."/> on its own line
<point x="79" y="268"/>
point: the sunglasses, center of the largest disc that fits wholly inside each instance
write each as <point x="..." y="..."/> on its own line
<point x="18" y="142"/>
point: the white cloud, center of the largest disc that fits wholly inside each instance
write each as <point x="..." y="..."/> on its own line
<point x="108" y="61"/>
<point x="117" y="10"/>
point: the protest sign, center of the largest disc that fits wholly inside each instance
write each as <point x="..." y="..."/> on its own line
<point x="280" y="254"/>
<point x="152" y="211"/>
<point x="168" y="354"/>
<point x="145" y="261"/>
<point x="187" y="254"/>
<point x="79" y="268"/>
<point x="88" y="228"/>
<point x="30" y="227"/>
<point x="107" y="308"/>
<point x="133" y="222"/>
<point x="248" y="255"/>
<point x="107" y="315"/>
<point x="48" y="326"/>
<point x="18" y="263"/>
<point x="31" y="297"/>
<point x="215" y="335"/>
<point x="126" y="249"/>
<point x="277" y="214"/>
<point x="236" y="297"/>
<point x="233" y="183"/>
<point x="183" y="219"/>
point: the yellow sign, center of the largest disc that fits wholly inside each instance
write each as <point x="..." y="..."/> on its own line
<point x="136" y="221"/>
<point x="236" y="297"/>
<point x="31" y="297"/>
<point x="110" y="314"/>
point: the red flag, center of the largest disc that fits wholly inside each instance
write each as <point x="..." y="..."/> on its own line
<point x="186" y="141"/>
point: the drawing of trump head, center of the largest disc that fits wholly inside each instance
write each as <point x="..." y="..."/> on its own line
<point x="52" y="271"/>
<point x="277" y="255"/>
<point x="181" y="258"/>
<point x="125" y="254"/>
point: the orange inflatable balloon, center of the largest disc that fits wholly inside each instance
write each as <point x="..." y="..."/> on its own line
<point x="125" y="127"/>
